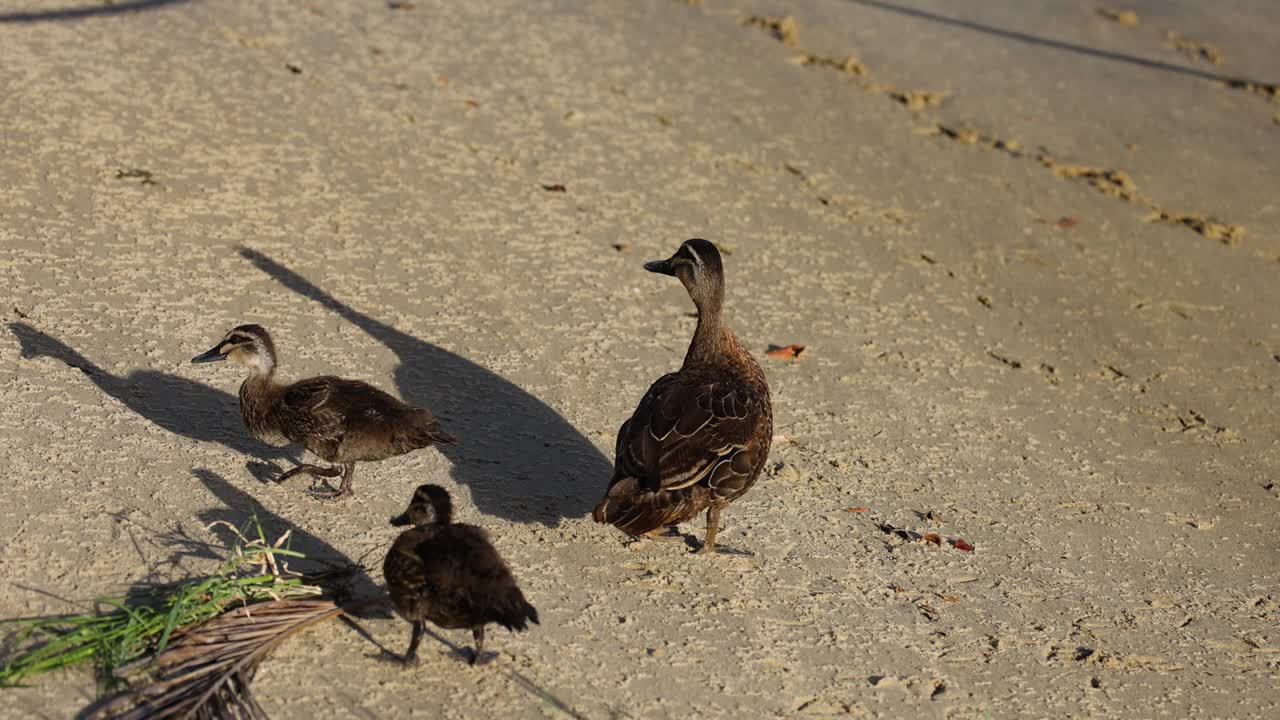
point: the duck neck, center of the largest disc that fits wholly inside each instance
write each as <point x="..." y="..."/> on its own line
<point x="711" y="337"/>
<point x="256" y="389"/>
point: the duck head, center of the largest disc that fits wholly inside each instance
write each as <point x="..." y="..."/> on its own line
<point x="430" y="503"/>
<point x="248" y="345"/>
<point x="697" y="264"/>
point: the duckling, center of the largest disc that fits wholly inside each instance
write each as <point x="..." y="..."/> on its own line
<point x="700" y="436"/>
<point x="343" y="421"/>
<point x="450" y="574"/>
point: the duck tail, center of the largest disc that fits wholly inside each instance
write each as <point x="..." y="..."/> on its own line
<point x="515" y="613"/>
<point x="428" y="431"/>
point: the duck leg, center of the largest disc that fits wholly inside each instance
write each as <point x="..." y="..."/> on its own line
<point x="713" y="524"/>
<point x="478" y="634"/>
<point x="347" y="470"/>
<point x="411" y="655"/>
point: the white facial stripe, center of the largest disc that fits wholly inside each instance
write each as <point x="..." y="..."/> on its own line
<point x="694" y="253"/>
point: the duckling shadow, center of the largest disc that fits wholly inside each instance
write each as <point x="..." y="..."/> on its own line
<point x="462" y="654"/>
<point x="349" y="579"/>
<point x="179" y="405"/>
<point x="387" y="655"/>
<point x="518" y="457"/>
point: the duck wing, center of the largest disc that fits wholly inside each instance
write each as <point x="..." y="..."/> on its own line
<point x="689" y="432"/>
<point x="307" y="414"/>
<point x="331" y="411"/>
<point x="406" y="574"/>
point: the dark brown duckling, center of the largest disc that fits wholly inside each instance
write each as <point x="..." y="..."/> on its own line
<point x="701" y="435"/>
<point x="450" y="574"/>
<point x="343" y="421"/>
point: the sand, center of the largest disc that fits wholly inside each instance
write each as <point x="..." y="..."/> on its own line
<point x="1031" y="251"/>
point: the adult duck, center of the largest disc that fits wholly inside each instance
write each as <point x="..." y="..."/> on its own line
<point x="700" y="436"/>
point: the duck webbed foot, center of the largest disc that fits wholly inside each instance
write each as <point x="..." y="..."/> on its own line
<point x="329" y="493"/>
<point x="667" y="532"/>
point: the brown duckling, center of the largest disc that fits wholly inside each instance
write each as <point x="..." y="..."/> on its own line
<point x="343" y="421"/>
<point x="701" y="435"/>
<point x="450" y="574"/>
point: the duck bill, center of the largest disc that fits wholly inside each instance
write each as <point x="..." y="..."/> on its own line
<point x="213" y="354"/>
<point x="663" y="267"/>
<point x="401" y="519"/>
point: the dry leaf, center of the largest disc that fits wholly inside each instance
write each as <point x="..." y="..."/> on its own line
<point x="857" y="509"/>
<point x="934" y="517"/>
<point x="949" y="598"/>
<point x="933" y="538"/>
<point x="472" y="103"/>
<point x="783" y="29"/>
<point x="400" y="5"/>
<point x="1066" y="223"/>
<point x="786" y="352"/>
<point x="556" y="187"/>
<point x="619" y="246"/>
<point x="918" y="99"/>
<point x="901" y="533"/>
<point x="963" y="546"/>
<point x="1124" y="17"/>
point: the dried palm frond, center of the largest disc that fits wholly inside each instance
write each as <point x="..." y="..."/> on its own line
<point x="254" y="571"/>
<point x="206" y="672"/>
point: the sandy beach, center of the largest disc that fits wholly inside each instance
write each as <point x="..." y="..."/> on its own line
<point x="1030" y="248"/>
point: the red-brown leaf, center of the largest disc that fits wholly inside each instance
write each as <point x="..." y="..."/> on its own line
<point x="933" y="538"/>
<point x="962" y="545"/>
<point x="1066" y="223"/>
<point x="786" y="352"/>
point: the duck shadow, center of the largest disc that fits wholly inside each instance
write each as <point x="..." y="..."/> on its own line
<point x="518" y="457"/>
<point x="1048" y="42"/>
<point x="78" y="13"/>
<point x="181" y="406"/>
